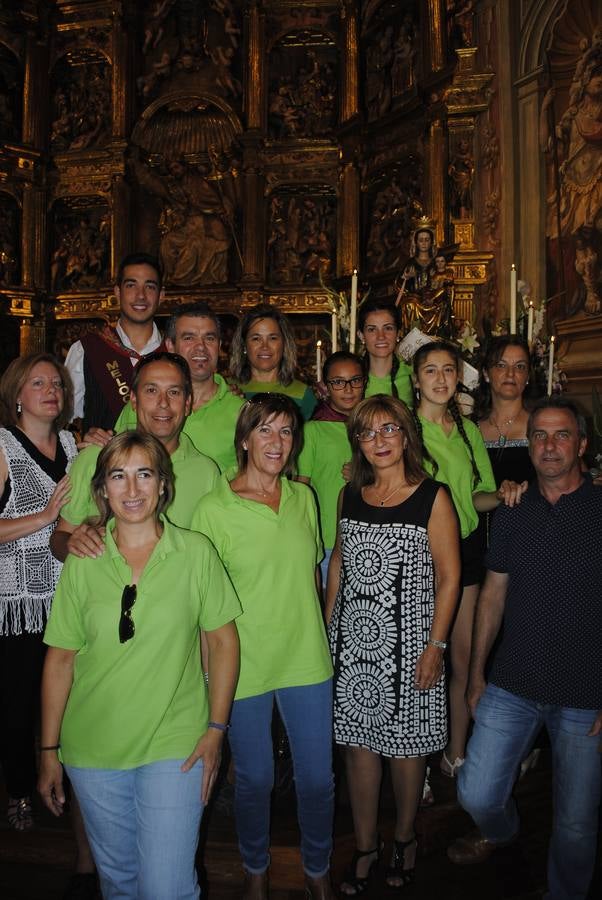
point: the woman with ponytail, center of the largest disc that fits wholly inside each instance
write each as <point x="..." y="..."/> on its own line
<point x="454" y="454"/>
<point x="378" y="329"/>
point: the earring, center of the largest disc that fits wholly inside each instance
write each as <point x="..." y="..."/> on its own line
<point x="19" y="408"/>
<point x="245" y="446"/>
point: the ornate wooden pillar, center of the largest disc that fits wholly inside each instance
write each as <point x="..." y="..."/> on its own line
<point x="255" y="70"/>
<point x="254" y="237"/>
<point x="348" y="222"/>
<point x="435" y="18"/>
<point x="350" y="62"/>
<point x="35" y="87"/>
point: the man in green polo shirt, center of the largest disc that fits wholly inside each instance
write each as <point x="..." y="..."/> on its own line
<point x="193" y="331"/>
<point x="161" y="399"/>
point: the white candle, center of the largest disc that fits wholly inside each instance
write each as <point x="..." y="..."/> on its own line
<point x="334" y="341"/>
<point x="353" y="313"/>
<point x="513" y="299"/>
<point x="319" y="361"/>
<point x="530" y="324"/>
<point x="551" y="367"/>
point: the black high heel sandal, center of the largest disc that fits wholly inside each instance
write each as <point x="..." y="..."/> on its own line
<point x="351" y="878"/>
<point x="396" y="869"/>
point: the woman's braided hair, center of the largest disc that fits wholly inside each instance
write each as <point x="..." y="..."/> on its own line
<point x="454" y="411"/>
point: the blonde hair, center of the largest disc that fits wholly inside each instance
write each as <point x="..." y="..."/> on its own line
<point x="15" y="377"/>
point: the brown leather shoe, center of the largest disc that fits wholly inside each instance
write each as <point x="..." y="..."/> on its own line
<point x="470" y="849"/>
<point x="319" y="888"/>
<point x="255" y="886"/>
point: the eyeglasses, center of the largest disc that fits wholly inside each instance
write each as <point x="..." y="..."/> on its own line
<point x="339" y="384"/>
<point x="388" y="430"/>
<point x="126" y="623"/>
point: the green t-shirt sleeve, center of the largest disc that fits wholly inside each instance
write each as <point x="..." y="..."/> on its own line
<point x="127" y="419"/>
<point x="80" y="505"/>
<point x="64" y="628"/>
<point x="219" y="601"/>
<point x="403" y="383"/>
<point x="307" y="457"/>
<point x="487" y="482"/>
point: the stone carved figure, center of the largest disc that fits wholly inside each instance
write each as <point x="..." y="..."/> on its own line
<point x="196" y="221"/>
<point x="82" y="107"/>
<point x="578" y="204"/>
<point x="404" y="53"/>
<point x="461" y="173"/>
<point x="300" y="239"/>
<point x="425" y="286"/>
<point x="154" y="30"/>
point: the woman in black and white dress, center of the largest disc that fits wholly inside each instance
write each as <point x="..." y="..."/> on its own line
<point x="393" y="584"/>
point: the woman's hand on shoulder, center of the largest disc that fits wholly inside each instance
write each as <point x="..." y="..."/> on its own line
<point x="510" y="492"/>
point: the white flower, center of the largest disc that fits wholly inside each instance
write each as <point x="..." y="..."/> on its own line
<point x="468" y="338"/>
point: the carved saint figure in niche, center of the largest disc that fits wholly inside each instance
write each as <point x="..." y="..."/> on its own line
<point x="425" y="293"/>
<point x="392" y="212"/>
<point x="82" y="104"/>
<point x="460" y="23"/>
<point x="404" y="52"/>
<point x="300" y="239"/>
<point x="578" y="136"/>
<point x="461" y="172"/>
<point x="302" y="98"/>
<point x="588" y="265"/>
<point x="81" y="256"/>
<point x="9" y="260"/>
<point x="196" y="222"/>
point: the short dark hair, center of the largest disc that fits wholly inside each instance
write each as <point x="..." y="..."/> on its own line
<point x="557" y="403"/>
<point x="121" y="446"/>
<point x="15" y="376"/>
<point x="362" y="418"/>
<point x="337" y="357"/>
<point x="139" y="259"/>
<point x="197" y="310"/>
<point x="263" y="408"/>
<point x="163" y="356"/>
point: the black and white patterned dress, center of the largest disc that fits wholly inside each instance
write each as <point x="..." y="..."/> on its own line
<point x="380" y="625"/>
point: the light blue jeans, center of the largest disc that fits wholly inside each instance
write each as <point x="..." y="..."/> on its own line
<point x="307" y="716"/>
<point x="143" y="828"/>
<point x="505" y="727"/>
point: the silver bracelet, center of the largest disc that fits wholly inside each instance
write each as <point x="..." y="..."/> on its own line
<point x="442" y="645"/>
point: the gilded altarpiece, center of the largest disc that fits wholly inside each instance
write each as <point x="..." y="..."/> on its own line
<point x="261" y="150"/>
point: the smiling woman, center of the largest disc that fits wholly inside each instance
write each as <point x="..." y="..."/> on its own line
<point x="123" y="694"/>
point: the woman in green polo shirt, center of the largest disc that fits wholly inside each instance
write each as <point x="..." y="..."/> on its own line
<point x="378" y="329"/>
<point x="265" y="529"/>
<point x="123" y="694"/>
<point x="454" y="454"/>
<point x="263" y="357"/>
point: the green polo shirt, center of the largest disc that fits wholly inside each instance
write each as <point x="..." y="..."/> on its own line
<point x="195" y="475"/>
<point x="325" y="450"/>
<point x="403" y="383"/>
<point x="455" y="468"/>
<point x="145" y="700"/>
<point x="210" y="427"/>
<point x="298" y="391"/>
<point x="271" y="559"/>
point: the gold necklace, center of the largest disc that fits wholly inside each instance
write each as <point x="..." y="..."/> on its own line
<point x="388" y="497"/>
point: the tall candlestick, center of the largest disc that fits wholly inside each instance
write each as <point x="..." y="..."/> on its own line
<point x="513" y="299"/>
<point x="530" y="324"/>
<point x="334" y="341"/>
<point x="353" y="313"/>
<point x="319" y="361"/>
<point x="551" y="367"/>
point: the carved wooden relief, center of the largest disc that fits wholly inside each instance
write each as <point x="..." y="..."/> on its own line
<point x="393" y="202"/>
<point x="301" y="235"/>
<point x="391" y="42"/>
<point x="81" y="101"/>
<point x="11" y="93"/>
<point x="81" y="240"/>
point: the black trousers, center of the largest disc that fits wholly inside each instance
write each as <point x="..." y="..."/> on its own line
<point x="21" y="661"/>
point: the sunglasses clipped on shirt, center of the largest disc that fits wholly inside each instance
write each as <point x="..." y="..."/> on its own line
<point x="126" y="623"/>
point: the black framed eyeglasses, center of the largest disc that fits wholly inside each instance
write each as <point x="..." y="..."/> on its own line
<point x="339" y="384"/>
<point x="126" y="623"/>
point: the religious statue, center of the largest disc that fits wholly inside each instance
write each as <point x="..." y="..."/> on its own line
<point x="196" y="222"/>
<point x="426" y="285"/>
<point x="575" y="201"/>
<point x="461" y="171"/>
<point x="82" y="107"/>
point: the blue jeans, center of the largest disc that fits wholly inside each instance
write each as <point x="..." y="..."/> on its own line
<point x="505" y="728"/>
<point x="307" y="716"/>
<point x="143" y="828"/>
